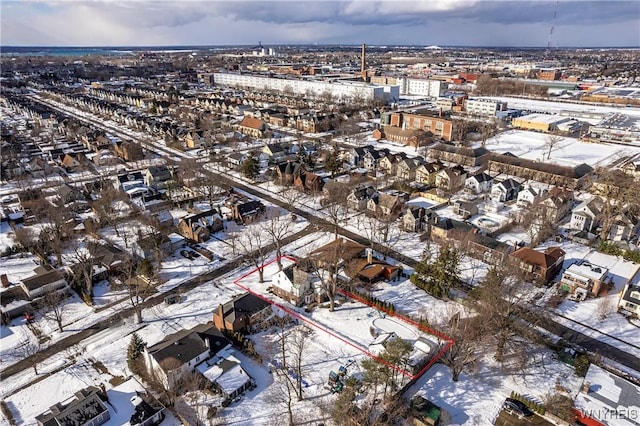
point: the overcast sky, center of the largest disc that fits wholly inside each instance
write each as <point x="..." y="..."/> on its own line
<point x="581" y="23"/>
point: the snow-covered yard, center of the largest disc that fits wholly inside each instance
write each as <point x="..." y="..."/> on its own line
<point x="567" y="152"/>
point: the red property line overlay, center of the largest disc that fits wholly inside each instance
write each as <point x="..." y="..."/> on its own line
<point x="307" y="321"/>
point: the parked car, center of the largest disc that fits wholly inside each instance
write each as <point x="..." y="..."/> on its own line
<point x="194" y="254"/>
<point x="171" y="299"/>
<point x="186" y="254"/>
<point x="516" y="408"/>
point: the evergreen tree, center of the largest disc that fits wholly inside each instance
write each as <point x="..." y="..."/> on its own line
<point x="250" y="167"/>
<point x="437" y="277"/>
<point x="332" y="162"/>
<point x="134" y="350"/>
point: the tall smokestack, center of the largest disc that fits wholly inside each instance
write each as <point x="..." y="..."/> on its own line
<point x="363" y="62"/>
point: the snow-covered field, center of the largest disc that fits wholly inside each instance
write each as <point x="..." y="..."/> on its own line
<point x="567" y="152"/>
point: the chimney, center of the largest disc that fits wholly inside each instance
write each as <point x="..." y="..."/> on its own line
<point x="585" y="387"/>
<point x="363" y="62"/>
<point x="369" y="256"/>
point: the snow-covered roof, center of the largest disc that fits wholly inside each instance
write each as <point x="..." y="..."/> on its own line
<point x="609" y="399"/>
<point x="226" y="371"/>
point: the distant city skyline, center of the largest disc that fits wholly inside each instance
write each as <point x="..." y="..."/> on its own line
<point x="578" y="23"/>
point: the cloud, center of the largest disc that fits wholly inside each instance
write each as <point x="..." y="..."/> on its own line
<point x="447" y="22"/>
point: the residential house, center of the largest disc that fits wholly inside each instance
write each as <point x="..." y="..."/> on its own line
<point x="444" y="228"/>
<point x="359" y="197"/>
<point x="85" y="407"/>
<point x="241" y="314"/>
<point x="46" y="280"/>
<point x="356" y="155"/>
<point x="479" y="183"/>
<point x="236" y="159"/>
<point x="338" y="252"/>
<point x="293" y="284"/>
<point x="308" y="181"/>
<point x="177" y="355"/>
<point x="388" y="164"/>
<point x="371" y="270"/>
<point x="629" y="302"/>
<point x="127" y="181"/>
<point x="372" y="159"/>
<point x="426" y="173"/>
<point x="584" y="279"/>
<point x="530" y="196"/>
<point x="485" y="248"/>
<point x="287" y="172"/>
<point x="406" y="169"/>
<point x="557" y="204"/>
<point x="624" y="227"/>
<point x="606" y="400"/>
<point x="246" y="211"/>
<point x="225" y="371"/>
<point x="539" y="266"/>
<point x="586" y="215"/>
<point x="158" y="176"/>
<point x="506" y="190"/>
<point x="253" y="127"/>
<point x="128" y="151"/>
<point x="417" y="219"/>
<point x="385" y="205"/>
<point x="198" y="227"/>
<point x="465" y="209"/>
<point x="276" y="152"/>
<point x="153" y="246"/>
<point x="68" y="194"/>
<point x="194" y="139"/>
<point x="451" y="179"/>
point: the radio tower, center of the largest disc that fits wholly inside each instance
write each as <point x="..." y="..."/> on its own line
<point x="553" y="23"/>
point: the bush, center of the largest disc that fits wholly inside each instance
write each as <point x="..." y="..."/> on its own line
<point x="581" y="365"/>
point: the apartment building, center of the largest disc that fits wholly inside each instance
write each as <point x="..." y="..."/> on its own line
<point x="338" y="89"/>
<point x="483" y="106"/>
<point x="421" y="87"/>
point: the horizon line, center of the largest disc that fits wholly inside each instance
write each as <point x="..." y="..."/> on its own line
<point x="442" y="46"/>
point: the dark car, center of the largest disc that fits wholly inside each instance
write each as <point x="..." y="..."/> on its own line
<point x="517" y="408"/>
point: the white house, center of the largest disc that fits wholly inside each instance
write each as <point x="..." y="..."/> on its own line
<point x="479" y="183"/>
<point x="292" y="284"/>
<point x="177" y="355"/>
<point x="505" y="191"/>
<point x="530" y="196"/>
<point x="586" y="215"/>
<point x="624" y="227"/>
<point x="630" y="299"/>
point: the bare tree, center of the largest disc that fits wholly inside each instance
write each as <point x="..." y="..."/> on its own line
<point x="502" y="305"/>
<point x="56" y="309"/>
<point x="335" y="207"/>
<point x="466" y="334"/>
<point x="617" y="192"/>
<point x="254" y="247"/>
<point x="276" y="225"/>
<point x="30" y="348"/>
<point x="551" y="141"/>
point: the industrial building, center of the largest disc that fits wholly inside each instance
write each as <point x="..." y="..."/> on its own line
<point x="339" y="89"/>
<point x="539" y="122"/>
